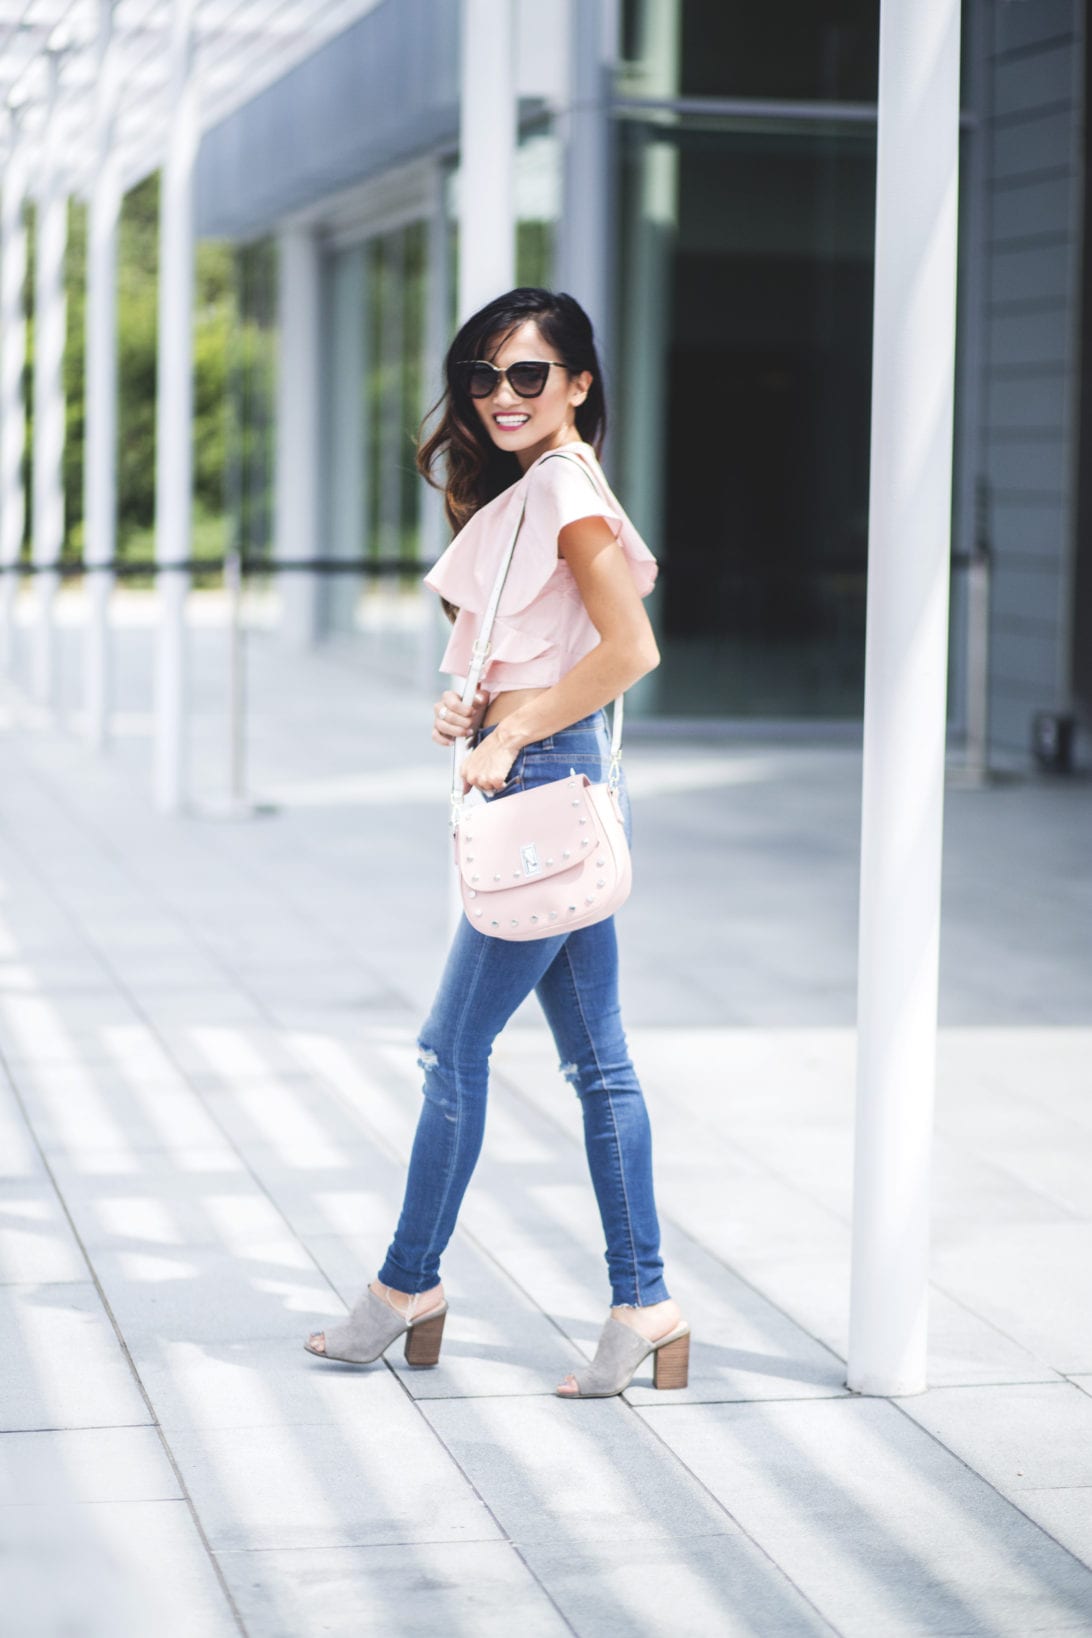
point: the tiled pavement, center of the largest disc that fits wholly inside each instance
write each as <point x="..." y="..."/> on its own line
<point x="207" y="1091"/>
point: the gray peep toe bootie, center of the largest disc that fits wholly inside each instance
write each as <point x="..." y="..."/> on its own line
<point x="621" y="1350"/>
<point x="374" y="1324"/>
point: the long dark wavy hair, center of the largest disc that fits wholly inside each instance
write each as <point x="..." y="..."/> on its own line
<point x="474" y="469"/>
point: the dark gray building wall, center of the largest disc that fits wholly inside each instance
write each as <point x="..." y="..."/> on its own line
<point x="1032" y="131"/>
<point x="381" y="92"/>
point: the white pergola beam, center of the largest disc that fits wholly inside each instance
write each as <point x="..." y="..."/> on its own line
<point x="488" y="133"/>
<point x="238" y="49"/>
<point x="906" y="663"/>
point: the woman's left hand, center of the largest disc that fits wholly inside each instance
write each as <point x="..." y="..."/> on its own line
<point x="487" y="766"/>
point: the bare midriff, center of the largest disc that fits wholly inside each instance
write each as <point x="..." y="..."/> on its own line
<point x="502" y="705"/>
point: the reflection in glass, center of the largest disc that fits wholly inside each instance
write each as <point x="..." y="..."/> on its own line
<point x="746" y="355"/>
<point x="808" y="50"/>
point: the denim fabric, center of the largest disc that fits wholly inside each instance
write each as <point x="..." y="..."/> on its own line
<point x="575" y="977"/>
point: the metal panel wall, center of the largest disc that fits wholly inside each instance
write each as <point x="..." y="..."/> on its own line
<point x="384" y="90"/>
<point x="1032" y="137"/>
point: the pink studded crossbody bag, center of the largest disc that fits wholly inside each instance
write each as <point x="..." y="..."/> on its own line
<point x="547" y="860"/>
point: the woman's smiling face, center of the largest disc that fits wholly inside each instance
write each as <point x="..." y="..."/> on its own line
<point x="529" y="426"/>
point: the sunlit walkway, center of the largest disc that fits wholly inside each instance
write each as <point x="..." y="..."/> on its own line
<point x="208" y="1089"/>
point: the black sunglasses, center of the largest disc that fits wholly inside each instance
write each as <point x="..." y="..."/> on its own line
<point x="527" y="378"/>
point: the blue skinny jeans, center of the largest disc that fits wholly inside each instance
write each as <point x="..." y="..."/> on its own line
<point x="575" y="976"/>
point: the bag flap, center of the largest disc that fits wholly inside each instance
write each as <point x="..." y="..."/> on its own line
<point x="529" y="836"/>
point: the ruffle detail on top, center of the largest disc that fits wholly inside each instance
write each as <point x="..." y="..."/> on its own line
<point x="541" y="607"/>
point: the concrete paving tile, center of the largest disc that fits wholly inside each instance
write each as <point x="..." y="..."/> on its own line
<point x="565" y="1473"/>
<point x="82" y="1106"/>
<point x="964" y="1348"/>
<point x="472" y="1590"/>
<point x="331" y="1187"/>
<point x="1065" y="1514"/>
<point x="57" y="972"/>
<point x="295" y="1115"/>
<point x="220" y="1007"/>
<point x="711" y="1587"/>
<point x="146" y="1200"/>
<point x="85" y="1465"/>
<point x="377" y="1476"/>
<point x="226" y="1038"/>
<point x="757" y="1217"/>
<point x="1017" y="1436"/>
<point x="60" y="1363"/>
<point x="266" y="1383"/>
<point x="999" y="1186"/>
<point x="1042" y="1071"/>
<point x="19" y="1158"/>
<point x="110" y="1569"/>
<point x="985" y="1112"/>
<point x="259" y="1289"/>
<point x="36" y="1243"/>
<point x="60" y="1028"/>
<point x="1022" y="1278"/>
<point x="877" y="1524"/>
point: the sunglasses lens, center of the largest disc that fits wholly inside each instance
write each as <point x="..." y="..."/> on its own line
<point x="528" y="379"/>
<point x="480" y="379"/>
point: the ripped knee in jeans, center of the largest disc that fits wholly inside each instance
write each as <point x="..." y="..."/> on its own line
<point x="436" y="1088"/>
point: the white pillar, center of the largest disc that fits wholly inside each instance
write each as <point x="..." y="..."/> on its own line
<point x="906" y="659"/>
<point x="296" y="529"/>
<point x="435" y="532"/>
<point x="47" y="522"/>
<point x="487" y="154"/>
<point x="347" y="475"/>
<point x="174" y="416"/>
<point x="392" y="346"/>
<point x="584" y="244"/>
<point x="13" y="347"/>
<point x="100" y="448"/>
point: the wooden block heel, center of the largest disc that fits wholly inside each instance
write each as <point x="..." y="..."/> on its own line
<point x="423" y="1341"/>
<point x="671" y="1364"/>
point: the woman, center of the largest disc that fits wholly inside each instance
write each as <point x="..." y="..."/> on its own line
<point x="522" y="382"/>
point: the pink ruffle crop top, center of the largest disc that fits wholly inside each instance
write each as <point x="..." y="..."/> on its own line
<point x="542" y="627"/>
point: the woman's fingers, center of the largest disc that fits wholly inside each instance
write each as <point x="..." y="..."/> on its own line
<point x="452" y="719"/>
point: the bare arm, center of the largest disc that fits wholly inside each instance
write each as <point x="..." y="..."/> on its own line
<point x="626" y="651"/>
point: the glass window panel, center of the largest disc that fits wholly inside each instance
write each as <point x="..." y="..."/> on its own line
<point x="742" y="423"/>
<point x="538" y="203"/>
<point x="807" y="50"/>
<point x="746" y="380"/>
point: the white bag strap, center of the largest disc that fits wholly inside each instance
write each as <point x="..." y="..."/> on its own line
<point x="480" y="651"/>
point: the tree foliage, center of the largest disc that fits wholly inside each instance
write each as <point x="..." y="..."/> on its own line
<point x="218" y="327"/>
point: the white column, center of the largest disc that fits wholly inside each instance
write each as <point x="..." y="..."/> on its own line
<point x="100" y="447"/>
<point x="347" y="475"/>
<point x="296" y="529"/>
<point x="487" y="154"/>
<point x="391" y="258"/>
<point x="50" y="236"/>
<point x="584" y="243"/>
<point x="435" y="532"/>
<point x="174" y="416"/>
<point x="906" y="657"/>
<point x="13" y="347"/>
